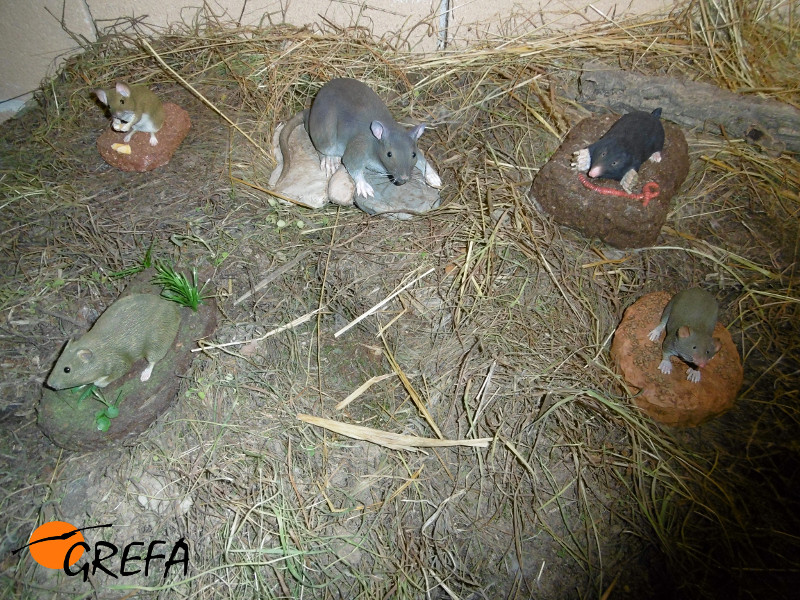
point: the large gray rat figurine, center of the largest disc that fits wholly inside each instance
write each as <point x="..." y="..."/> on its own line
<point x="689" y="318"/>
<point x="135" y="326"/>
<point x="348" y="123"/>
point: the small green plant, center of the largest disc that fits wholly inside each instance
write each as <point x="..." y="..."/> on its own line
<point x="177" y="287"/>
<point x="145" y="264"/>
<point x="103" y="417"/>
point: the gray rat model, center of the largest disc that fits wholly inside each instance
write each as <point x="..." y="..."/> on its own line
<point x="348" y="123"/>
<point x="689" y="318"/>
<point x="135" y="326"/>
<point x="133" y="108"/>
<point x="633" y="139"/>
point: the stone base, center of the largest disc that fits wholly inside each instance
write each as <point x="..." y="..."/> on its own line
<point x="620" y="222"/>
<point x="672" y="399"/>
<point x="143" y="156"/>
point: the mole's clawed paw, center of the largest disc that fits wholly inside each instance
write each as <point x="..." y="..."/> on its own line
<point x="581" y="160"/>
<point x="655" y="157"/>
<point x="628" y="181"/>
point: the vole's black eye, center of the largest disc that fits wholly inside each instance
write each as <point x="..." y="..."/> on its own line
<point x="413" y="155"/>
<point x="67" y="369"/>
<point x="389" y="154"/>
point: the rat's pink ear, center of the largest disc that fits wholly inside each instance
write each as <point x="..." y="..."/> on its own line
<point x="717" y="345"/>
<point x="377" y="129"/>
<point x="417" y="131"/>
<point x="123" y="89"/>
<point x="684" y="332"/>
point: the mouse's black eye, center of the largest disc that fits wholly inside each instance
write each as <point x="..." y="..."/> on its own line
<point x="389" y="154"/>
<point x="67" y="369"/>
<point x="122" y="100"/>
<point x="413" y="155"/>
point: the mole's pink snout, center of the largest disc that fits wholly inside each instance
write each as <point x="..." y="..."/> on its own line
<point x="595" y="171"/>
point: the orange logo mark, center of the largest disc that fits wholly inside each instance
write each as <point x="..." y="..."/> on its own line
<point x="51" y="541"/>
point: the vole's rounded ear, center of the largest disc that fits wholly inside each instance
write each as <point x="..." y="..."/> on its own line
<point x="85" y="355"/>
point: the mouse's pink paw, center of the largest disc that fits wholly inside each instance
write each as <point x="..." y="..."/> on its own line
<point x="665" y="366"/>
<point x="655" y="334"/>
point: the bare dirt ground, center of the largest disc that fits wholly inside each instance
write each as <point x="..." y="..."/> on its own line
<point x="577" y="495"/>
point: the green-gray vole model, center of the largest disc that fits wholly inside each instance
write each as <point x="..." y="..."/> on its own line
<point x="135" y="326"/>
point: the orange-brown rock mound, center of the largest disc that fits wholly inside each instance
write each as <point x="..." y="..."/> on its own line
<point x="672" y="399"/>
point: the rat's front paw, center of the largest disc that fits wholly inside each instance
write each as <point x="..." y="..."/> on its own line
<point x="432" y="177"/>
<point x="330" y="164"/>
<point x="655" y="334"/>
<point x="581" y="160"/>
<point x="665" y="366"/>
<point x="363" y="188"/>
<point x="693" y="375"/>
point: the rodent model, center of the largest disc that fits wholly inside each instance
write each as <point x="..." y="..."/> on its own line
<point x="135" y="326"/>
<point x="133" y="108"/>
<point x="689" y="318"/>
<point x="633" y="139"/>
<point x="348" y="123"/>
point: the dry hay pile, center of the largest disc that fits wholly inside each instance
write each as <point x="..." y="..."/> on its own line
<point x="505" y="336"/>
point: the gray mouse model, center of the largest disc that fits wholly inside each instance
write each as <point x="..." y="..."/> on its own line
<point x="135" y="326"/>
<point x="348" y="123"/>
<point x="689" y="318"/>
<point x="133" y="108"/>
<point x="633" y="139"/>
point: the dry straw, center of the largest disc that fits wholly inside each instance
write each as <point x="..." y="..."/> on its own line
<point x="557" y="482"/>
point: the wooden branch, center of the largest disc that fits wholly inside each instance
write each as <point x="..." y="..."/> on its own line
<point x="771" y="124"/>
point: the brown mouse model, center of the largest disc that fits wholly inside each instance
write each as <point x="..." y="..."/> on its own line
<point x="133" y="108"/>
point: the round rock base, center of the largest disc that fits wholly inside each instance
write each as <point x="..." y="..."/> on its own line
<point x="672" y="399"/>
<point x="620" y="222"/>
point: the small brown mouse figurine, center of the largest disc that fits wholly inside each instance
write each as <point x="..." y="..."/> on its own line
<point x="133" y="108"/>
<point x="689" y="318"/>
